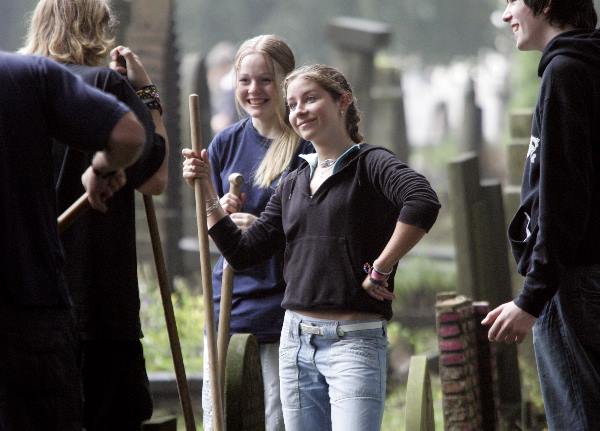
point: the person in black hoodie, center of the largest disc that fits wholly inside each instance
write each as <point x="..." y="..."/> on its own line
<point x="343" y="219"/>
<point x="555" y="233"/>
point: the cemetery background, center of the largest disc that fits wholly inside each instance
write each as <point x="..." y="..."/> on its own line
<point x="445" y="60"/>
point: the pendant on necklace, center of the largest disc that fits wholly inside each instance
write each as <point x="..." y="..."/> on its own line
<point x="327" y="163"/>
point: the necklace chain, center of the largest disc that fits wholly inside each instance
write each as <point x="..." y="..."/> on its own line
<point x="327" y="163"/>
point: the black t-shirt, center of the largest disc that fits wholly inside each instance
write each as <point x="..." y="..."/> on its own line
<point x="40" y="100"/>
<point x="100" y="251"/>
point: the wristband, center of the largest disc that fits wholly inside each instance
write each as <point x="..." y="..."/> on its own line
<point x="376" y="277"/>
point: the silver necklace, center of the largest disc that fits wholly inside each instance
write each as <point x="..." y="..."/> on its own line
<point x="327" y="163"/>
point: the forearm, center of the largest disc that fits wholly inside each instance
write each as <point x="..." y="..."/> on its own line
<point x="214" y="210"/>
<point x="403" y="239"/>
<point x="157" y="183"/>
<point x="124" y="145"/>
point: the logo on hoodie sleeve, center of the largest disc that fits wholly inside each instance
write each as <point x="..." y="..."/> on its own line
<point x="534" y="143"/>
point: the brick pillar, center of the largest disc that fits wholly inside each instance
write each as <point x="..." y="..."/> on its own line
<point x="457" y="340"/>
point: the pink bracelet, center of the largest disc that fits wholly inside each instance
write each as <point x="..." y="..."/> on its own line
<point x="376" y="276"/>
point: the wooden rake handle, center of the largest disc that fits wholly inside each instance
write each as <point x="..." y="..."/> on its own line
<point x="205" y="269"/>
<point x="165" y="293"/>
<point x="235" y="185"/>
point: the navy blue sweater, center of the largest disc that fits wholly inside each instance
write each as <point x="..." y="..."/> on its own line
<point x="257" y="290"/>
<point x="557" y="224"/>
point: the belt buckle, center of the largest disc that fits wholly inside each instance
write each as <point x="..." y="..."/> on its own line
<point x="311" y="329"/>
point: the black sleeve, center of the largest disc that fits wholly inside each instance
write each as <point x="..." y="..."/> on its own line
<point x="260" y="241"/>
<point x="79" y="115"/>
<point x="407" y="189"/>
<point x="154" y="150"/>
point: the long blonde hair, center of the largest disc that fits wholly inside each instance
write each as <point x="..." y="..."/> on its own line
<point x="280" y="59"/>
<point x="71" y="31"/>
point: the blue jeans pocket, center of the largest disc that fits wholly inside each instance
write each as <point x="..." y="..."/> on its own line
<point x="289" y="346"/>
<point x="359" y="361"/>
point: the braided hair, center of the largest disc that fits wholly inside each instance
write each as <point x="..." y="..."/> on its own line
<point x="336" y="84"/>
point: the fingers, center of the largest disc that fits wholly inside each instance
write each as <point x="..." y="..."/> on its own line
<point x="188" y="153"/>
<point x="118" y="62"/>
<point x="243" y="220"/>
<point x="116" y="181"/>
<point x="97" y="202"/>
<point x="504" y="331"/>
<point x="195" y="166"/>
<point x="510" y="324"/>
<point x="379" y="292"/>
<point x="126" y="62"/>
<point x="492" y="316"/>
<point x="100" y="189"/>
<point x="231" y="203"/>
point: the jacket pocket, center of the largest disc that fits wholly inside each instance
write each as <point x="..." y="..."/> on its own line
<point x="318" y="270"/>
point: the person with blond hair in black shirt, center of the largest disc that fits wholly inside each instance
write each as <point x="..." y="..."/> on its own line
<point x="101" y="274"/>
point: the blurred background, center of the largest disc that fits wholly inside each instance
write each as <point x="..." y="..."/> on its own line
<point x="439" y="82"/>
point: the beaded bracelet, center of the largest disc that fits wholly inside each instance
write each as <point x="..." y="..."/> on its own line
<point x="148" y="92"/>
<point x="150" y="97"/>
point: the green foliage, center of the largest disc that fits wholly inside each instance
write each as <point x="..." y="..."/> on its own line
<point x="189" y="314"/>
<point x="417" y="281"/>
<point x="525" y="81"/>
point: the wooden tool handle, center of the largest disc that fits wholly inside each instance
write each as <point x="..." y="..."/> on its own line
<point x="78" y="207"/>
<point x="206" y="272"/>
<point x="165" y="293"/>
<point x="236" y="181"/>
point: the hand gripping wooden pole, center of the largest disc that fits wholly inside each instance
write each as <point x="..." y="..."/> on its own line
<point x="70" y="214"/>
<point x="165" y="293"/>
<point x="235" y="184"/>
<point x="205" y="269"/>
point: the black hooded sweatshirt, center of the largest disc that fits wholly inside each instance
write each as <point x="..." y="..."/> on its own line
<point x="328" y="236"/>
<point x="557" y="225"/>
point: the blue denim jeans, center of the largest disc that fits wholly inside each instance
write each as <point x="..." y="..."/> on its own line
<point x="331" y="382"/>
<point x="566" y="338"/>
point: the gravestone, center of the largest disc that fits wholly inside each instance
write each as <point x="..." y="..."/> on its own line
<point x="356" y="41"/>
<point x="389" y="120"/>
<point x="482" y="259"/>
<point x="244" y="392"/>
<point x="472" y="127"/>
<point x="419" y="404"/>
